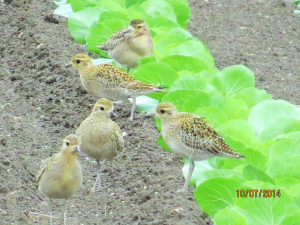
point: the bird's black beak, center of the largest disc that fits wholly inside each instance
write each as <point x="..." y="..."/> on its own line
<point x="68" y="65"/>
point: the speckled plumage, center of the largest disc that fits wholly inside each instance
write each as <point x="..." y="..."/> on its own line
<point x="107" y="81"/>
<point x="99" y="136"/>
<point x="190" y="137"/>
<point x="60" y="176"/>
<point x="127" y="45"/>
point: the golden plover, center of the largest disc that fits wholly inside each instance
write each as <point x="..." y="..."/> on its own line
<point x="190" y="137"/>
<point x="107" y="81"/>
<point x="126" y="46"/>
<point x="61" y="175"/>
<point x="100" y="137"/>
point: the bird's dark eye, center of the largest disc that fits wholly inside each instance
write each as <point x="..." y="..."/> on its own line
<point x="77" y="60"/>
<point x="67" y="143"/>
<point x="139" y="27"/>
<point x="162" y="111"/>
<point x="102" y="108"/>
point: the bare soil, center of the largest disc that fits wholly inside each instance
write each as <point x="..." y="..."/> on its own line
<point x="41" y="102"/>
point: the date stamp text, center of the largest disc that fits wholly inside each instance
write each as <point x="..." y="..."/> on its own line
<point x="256" y="193"/>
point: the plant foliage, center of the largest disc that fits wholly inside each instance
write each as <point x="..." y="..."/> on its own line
<point x="266" y="131"/>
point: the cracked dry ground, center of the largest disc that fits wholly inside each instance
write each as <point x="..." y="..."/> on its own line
<point x="41" y="102"/>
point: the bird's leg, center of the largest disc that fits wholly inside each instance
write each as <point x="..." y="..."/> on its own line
<point x="128" y="70"/>
<point x="98" y="179"/>
<point x="188" y="178"/>
<point x="65" y="212"/>
<point x="50" y="208"/>
<point x="133" y="107"/>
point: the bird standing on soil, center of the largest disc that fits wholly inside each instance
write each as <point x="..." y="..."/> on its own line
<point x="190" y="137"/>
<point x="60" y="176"/>
<point x="107" y="81"/>
<point x="126" y="46"/>
<point x="100" y="137"/>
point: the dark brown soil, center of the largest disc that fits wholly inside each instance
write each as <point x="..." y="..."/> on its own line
<point x="41" y="102"/>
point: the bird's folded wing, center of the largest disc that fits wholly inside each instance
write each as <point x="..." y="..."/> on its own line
<point x="197" y="134"/>
<point x="117" y="38"/>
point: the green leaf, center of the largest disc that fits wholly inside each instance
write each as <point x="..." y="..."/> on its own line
<point x="157" y="8"/>
<point x="164" y="30"/>
<point x="191" y="47"/>
<point x="216" y="194"/>
<point x="180" y="31"/>
<point x="190" y="82"/>
<point x="155" y="72"/>
<point x="80" y="22"/>
<point x="163" y="144"/>
<point x="291" y="220"/>
<point x="63" y="10"/>
<point x="146" y="104"/>
<point x="227" y="163"/>
<point x="190" y="100"/>
<point x="101" y="32"/>
<point x="292" y="135"/>
<point x="161" y="41"/>
<point x="262" y="211"/>
<point x="200" y="168"/>
<point x="266" y="112"/>
<point x="252" y="96"/>
<point x="238" y="134"/>
<point x="110" y="15"/>
<point x="182" y="11"/>
<point x="287" y="182"/>
<point x="284" y="160"/>
<point x="209" y="74"/>
<point x="233" y="79"/>
<point x="201" y="176"/>
<point x="109" y="5"/>
<point x="279" y="127"/>
<point x="78" y="5"/>
<point x="148" y="59"/>
<point x="234" y="108"/>
<point x="158" y="21"/>
<point x="214" y="115"/>
<point x="181" y="62"/>
<point x="60" y="3"/>
<point x="252" y="173"/>
<point x="256" y="158"/>
<point x="229" y="217"/>
<point x="134" y="2"/>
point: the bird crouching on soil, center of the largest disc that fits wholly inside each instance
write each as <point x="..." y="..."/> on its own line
<point x="60" y="176"/>
<point x="100" y="137"/>
<point x="190" y="137"/>
<point x="107" y="81"/>
<point x="126" y="46"/>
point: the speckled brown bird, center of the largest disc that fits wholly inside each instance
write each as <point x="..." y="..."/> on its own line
<point x="190" y="137"/>
<point x="107" y="81"/>
<point x="100" y="137"/>
<point x="126" y="46"/>
<point x="60" y="176"/>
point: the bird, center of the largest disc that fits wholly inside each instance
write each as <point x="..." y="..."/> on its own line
<point x="60" y="176"/>
<point x="190" y="137"/>
<point x="108" y="81"/>
<point x="127" y="45"/>
<point x="100" y="137"/>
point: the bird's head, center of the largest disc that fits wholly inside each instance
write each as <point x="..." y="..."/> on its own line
<point x="103" y="106"/>
<point x="140" y="27"/>
<point x="165" y="111"/>
<point x="70" y="144"/>
<point x="81" y="62"/>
